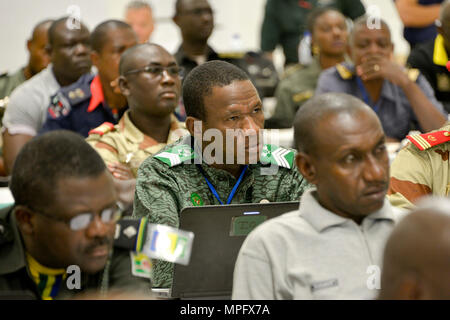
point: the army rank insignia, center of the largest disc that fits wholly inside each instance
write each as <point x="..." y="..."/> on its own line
<point x="196" y="200"/>
<point x="59" y="106"/>
<point x="427" y="140"/>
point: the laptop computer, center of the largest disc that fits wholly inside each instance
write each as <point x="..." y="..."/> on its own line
<point x="219" y="233"/>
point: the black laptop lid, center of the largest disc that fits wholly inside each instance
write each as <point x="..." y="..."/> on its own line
<point x="219" y="233"/>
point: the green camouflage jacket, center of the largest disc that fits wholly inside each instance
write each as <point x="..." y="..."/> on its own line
<point x="170" y="181"/>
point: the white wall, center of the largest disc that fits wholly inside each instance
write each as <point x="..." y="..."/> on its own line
<point x="17" y="18"/>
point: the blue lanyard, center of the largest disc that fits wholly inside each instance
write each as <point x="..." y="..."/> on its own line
<point x="366" y="97"/>
<point x="213" y="190"/>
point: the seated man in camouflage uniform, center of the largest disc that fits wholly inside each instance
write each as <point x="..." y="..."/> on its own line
<point x="61" y="227"/>
<point x="421" y="168"/>
<point x="219" y="99"/>
<point x="149" y="124"/>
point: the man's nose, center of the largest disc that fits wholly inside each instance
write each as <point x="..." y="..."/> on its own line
<point x="374" y="170"/>
<point x="97" y="228"/>
<point x="81" y="48"/>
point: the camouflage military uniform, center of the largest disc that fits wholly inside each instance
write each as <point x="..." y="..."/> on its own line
<point x="16" y="278"/>
<point x="8" y="82"/>
<point x="124" y="143"/>
<point x="294" y="89"/>
<point x="170" y="181"/>
<point x="421" y="168"/>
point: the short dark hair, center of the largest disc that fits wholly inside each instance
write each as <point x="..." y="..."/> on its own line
<point x="46" y="159"/>
<point x="199" y="83"/>
<point x="315" y="14"/>
<point x="315" y="109"/>
<point x="99" y="36"/>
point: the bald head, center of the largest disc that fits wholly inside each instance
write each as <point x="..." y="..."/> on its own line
<point x="417" y="255"/>
<point x="129" y="58"/>
<point x="37" y="44"/>
<point x="319" y="109"/>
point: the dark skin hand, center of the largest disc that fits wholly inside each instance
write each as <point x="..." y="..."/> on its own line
<point x="124" y="182"/>
<point x="378" y="67"/>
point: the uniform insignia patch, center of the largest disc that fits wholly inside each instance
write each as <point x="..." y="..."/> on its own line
<point x="427" y="140"/>
<point x="59" y="106"/>
<point x="196" y="200"/>
<point x="280" y="156"/>
<point x="141" y="265"/>
<point x="343" y="71"/>
<point x="105" y="127"/>
<point x="301" y="96"/>
<point x="176" y="155"/>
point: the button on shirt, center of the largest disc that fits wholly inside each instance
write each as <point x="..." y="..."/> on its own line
<point x="80" y="107"/>
<point x="395" y="112"/>
<point x="312" y="253"/>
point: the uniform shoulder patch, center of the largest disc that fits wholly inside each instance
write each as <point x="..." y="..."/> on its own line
<point x="344" y="72"/>
<point x="425" y="141"/>
<point x="302" y="96"/>
<point x="175" y="155"/>
<point x="105" y="127"/>
<point x="277" y="155"/>
<point x="290" y="70"/>
<point x="59" y="106"/>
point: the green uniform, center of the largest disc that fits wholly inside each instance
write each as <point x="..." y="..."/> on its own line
<point x="8" y="82"/>
<point x="285" y="21"/>
<point x="421" y="168"/>
<point x="170" y="181"/>
<point x="15" y="274"/>
<point x="294" y="89"/>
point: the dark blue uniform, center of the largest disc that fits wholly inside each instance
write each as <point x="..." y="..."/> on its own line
<point x="80" y="107"/>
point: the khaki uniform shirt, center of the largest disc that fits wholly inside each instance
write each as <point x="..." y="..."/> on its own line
<point x="124" y="143"/>
<point x="170" y="181"/>
<point x="416" y="173"/>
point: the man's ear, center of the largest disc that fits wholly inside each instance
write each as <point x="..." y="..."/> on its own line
<point x="192" y="128"/>
<point x="25" y="219"/>
<point x="29" y="44"/>
<point x="94" y="58"/>
<point x="306" y="167"/>
<point x="123" y="86"/>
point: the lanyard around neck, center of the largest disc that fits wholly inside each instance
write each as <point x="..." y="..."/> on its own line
<point x="213" y="190"/>
<point x="366" y="98"/>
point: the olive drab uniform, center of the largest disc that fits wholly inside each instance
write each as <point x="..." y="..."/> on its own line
<point x="174" y="179"/>
<point x="126" y="144"/>
<point x="8" y="82"/>
<point x="17" y="270"/>
<point x="421" y="168"/>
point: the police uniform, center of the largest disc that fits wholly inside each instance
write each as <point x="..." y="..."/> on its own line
<point x="8" y="82"/>
<point x="393" y="107"/>
<point x="80" y="107"/>
<point x="285" y="21"/>
<point x="294" y="89"/>
<point x="170" y="181"/>
<point x="421" y="168"/>
<point x="124" y="143"/>
<point x="431" y="59"/>
<point x="22" y="276"/>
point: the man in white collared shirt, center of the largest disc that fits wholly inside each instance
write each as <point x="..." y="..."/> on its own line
<point x="331" y="248"/>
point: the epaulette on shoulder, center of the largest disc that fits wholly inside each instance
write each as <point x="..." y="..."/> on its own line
<point x="290" y="70"/>
<point x="426" y="141"/>
<point x="231" y="55"/>
<point x="344" y="72"/>
<point x="413" y="74"/>
<point x="105" y="127"/>
<point x="176" y="154"/>
<point x="277" y="155"/>
<point x="78" y="91"/>
<point x="3" y="74"/>
<point x="302" y="96"/>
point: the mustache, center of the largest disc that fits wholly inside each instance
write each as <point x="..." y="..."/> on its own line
<point x="376" y="187"/>
<point x="97" y="242"/>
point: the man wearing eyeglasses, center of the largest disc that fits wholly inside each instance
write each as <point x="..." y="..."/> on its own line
<point x="150" y="80"/>
<point x="57" y="240"/>
<point x="94" y="99"/>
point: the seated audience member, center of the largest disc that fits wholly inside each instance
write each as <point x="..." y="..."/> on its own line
<point x="402" y="100"/>
<point x="37" y="61"/>
<point x="416" y="264"/>
<point x="323" y="250"/>
<point x="431" y="58"/>
<point x="329" y="44"/>
<point x="421" y="168"/>
<point x="27" y="109"/>
<point x="64" y="215"/>
<point x="418" y="18"/>
<point x="94" y="99"/>
<point x="138" y="14"/>
<point x="284" y="23"/>
<point x="150" y="79"/>
<point x="221" y="101"/>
